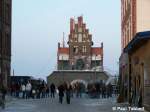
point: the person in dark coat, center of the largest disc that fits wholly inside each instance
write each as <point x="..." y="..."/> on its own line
<point x="52" y="88"/>
<point x="103" y="91"/>
<point x="61" y="93"/>
<point x="3" y="92"/>
<point x="68" y="93"/>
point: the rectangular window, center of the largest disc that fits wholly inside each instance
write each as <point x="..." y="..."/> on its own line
<point x="75" y="38"/>
<point x="75" y="49"/>
<point x="84" y="49"/>
<point x="80" y="38"/>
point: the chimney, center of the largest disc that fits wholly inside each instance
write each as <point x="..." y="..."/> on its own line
<point x="72" y="23"/>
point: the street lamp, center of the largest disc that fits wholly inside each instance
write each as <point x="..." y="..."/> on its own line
<point x="95" y="69"/>
<point x="62" y="69"/>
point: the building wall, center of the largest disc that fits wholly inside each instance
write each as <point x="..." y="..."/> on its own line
<point x="143" y="15"/>
<point x="135" y="17"/>
<point x="140" y="61"/>
<point x="59" y="77"/>
<point x="5" y="40"/>
<point x="128" y="21"/>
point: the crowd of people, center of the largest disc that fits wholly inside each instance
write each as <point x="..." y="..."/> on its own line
<point x="67" y="90"/>
<point x="28" y="90"/>
<point x="100" y="90"/>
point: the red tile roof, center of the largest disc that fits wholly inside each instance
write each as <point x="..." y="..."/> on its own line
<point x="63" y="50"/>
<point x="97" y="50"/>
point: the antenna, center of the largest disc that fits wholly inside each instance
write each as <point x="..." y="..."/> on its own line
<point x="63" y="40"/>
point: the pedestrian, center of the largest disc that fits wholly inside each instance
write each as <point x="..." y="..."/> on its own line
<point x="47" y="91"/>
<point x="52" y="88"/>
<point x="43" y="89"/>
<point x="28" y="90"/>
<point x="3" y="92"/>
<point x="68" y="93"/>
<point x="23" y="89"/>
<point x="33" y="93"/>
<point x="103" y="91"/>
<point x="78" y="90"/>
<point x="17" y="89"/>
<point x="107" y="91"/>
<point x="38" y="93"/>
<point x="61" y="93"/>
<point x="12" y="89"/>
<point x="97" y="86"/>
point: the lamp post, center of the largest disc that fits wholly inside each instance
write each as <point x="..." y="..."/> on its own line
<point x="62" y="70"/>
<point x="95" y="69"/>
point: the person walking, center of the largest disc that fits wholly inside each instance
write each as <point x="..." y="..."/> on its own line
<point x="17" y="89"/>
<point x="103" y="91"/>
<point x="3" y="93"/>
<point x="61" y="93"/>
<point x="23" y="89"/>
<point x="52" y="88"/>
<point x="68" y="93"/>
<point x="28" y="90"/>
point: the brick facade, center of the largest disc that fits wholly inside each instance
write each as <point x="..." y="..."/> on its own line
<point x="80" y="54"/>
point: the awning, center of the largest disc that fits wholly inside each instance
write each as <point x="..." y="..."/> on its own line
<point x="140" y="39"/>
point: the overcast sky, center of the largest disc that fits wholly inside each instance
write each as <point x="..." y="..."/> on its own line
<point x="38" y="25"/>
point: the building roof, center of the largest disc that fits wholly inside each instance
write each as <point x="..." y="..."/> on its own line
<point x="139" y="39"/>
<point x="64" y="50"/>
<point x="97" y="50"/>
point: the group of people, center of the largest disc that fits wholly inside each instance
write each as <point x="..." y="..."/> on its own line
<point x="100" y="90"/>
<point x="28" y="90"/>
<point x="65" y="90"/>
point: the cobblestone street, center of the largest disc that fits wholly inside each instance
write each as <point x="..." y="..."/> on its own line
<point x="52" y="105"/>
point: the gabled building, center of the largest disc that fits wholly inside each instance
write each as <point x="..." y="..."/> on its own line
<point x="80" y="55"/>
